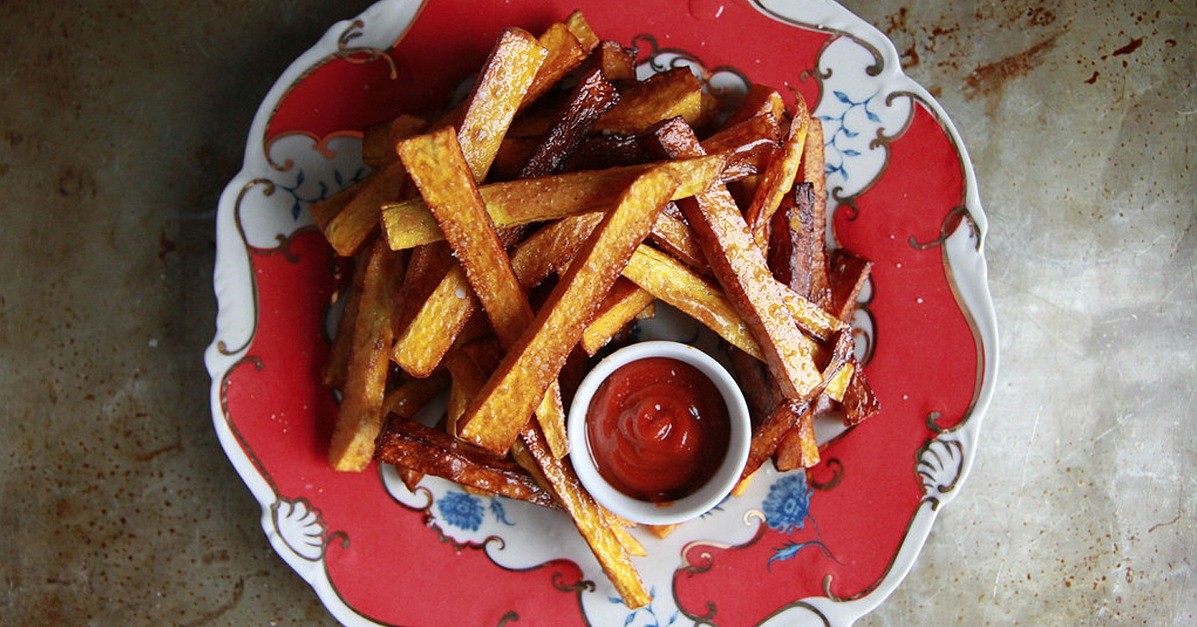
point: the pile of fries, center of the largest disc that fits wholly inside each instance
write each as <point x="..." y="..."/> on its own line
<point x="500" y="244"/>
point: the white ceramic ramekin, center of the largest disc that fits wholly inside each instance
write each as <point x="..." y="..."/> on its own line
<point x="701" y="500"/>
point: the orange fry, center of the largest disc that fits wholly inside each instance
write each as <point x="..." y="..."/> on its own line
<point x="438" y="168"/>
<point x="739" y="265"/>
<point x="563" y="53"/>
<point x="350" y="229"/>
<point x="661" y="97"/>
<point x="361" y="414"/>
<point x="667" y="279"/>
<point x="778" y="178"/>
<point x="591" y="519"/>
<point x="532" y="364"/>
<point x="323" y="211"/>
<point x="512" y="203"/>
<point x="623" y="303"/>
<point x="444" y="314"/>
<point x="577" y="24"/>
<point x="508" y="74"/>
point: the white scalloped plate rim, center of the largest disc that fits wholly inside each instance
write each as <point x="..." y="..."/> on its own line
<point x="379" y="26"/>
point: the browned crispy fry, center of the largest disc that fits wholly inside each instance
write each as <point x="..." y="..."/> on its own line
<point x="512" y="203"/>
<point x="591" y="519"/>
<point x="361" y="414"/>
<point x="358" y="221"/>
<point x="532" y="364"/>
<point x="760" y="100"/>
<point x="740" y="267"/>
<point x="859" y="400"/>
<point x="751" y="145"/>
<point x="592" y="96"/>
<point x="505" y="80"/>
<point x="798" y="242"/>
<point x="406" y="401"/>
<point x="513" y="154"/>
<point x="662" y="96"/>
<point x="798" y="447"/>
<point x="622" y="304"/>
<point x="848" y="274"/>
<point x="616" y="62"/>
<point x="673" y="235"/>
<point x="409" y="444"/>
<point x="778" y="178"/>
<point x="760" y="392"/>
<point x="813" y="165"/>
<point x="607" y="150"/>
<point x="768" y="433"/>
<point x="438" y="168"/>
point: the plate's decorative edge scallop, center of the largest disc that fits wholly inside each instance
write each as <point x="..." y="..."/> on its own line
<point x="945" y="461"/>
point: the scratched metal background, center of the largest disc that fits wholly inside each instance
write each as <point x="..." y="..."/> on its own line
<point x="120" y="122"/>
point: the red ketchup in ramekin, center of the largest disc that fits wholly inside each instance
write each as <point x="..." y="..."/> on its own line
<point x="658" y="429"/>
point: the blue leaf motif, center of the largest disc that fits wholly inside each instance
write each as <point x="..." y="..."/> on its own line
<point x="628" y="621"/>
<point x="850" y="134"/>
<point x="842" y="97"/>
<point x="461" y="510"/>
<point x="788" y="503"/>
<point x="499" y="512"/>
<point x="872" y="116"/>
<point x="848" y="152"/>
<point x="790" y="549"/>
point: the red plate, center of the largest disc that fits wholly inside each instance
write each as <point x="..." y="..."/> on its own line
<point x="826" y="547"/>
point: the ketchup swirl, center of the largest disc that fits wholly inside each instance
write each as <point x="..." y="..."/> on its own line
<point x="658" y="429"/>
